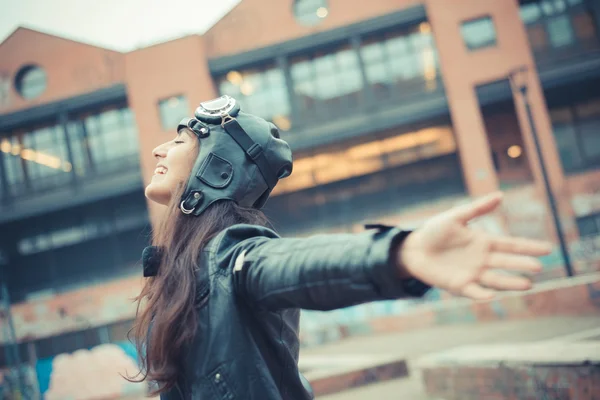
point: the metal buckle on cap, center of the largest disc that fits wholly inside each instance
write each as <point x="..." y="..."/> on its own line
<point x="200" y="129"/>
<point x="185" y="210"/>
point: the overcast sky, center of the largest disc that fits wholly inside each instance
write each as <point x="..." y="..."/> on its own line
<point x="115" y="24"/>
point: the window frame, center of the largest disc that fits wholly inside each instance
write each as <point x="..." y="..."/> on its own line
<point x="468" y="24"/>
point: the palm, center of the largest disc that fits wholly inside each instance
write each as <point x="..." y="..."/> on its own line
<point x="445" y="252"/>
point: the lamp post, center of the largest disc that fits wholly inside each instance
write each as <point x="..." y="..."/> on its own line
<point x="520" y="87"/>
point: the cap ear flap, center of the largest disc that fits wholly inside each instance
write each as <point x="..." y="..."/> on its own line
<point x="216" y="171"/>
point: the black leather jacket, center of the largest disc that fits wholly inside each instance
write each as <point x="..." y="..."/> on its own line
<point x="251" y="287"/>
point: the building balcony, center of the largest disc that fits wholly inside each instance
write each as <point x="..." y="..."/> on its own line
<point x="339" y="84"/>
<point x="67" y="153"/>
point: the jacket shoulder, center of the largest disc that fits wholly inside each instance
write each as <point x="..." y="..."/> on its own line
<point x="230" y="242"/>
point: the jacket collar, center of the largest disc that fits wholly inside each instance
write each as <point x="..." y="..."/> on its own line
<point x="151" y="257"/>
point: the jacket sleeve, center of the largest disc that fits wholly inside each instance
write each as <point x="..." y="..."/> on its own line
<point x="322" y="272"/>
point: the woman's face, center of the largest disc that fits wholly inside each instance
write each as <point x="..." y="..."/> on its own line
<point x="175" y="161"/>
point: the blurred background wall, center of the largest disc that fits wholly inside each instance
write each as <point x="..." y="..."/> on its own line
<point x="395" y="110"/>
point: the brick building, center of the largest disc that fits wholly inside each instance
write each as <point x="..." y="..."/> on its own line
<point x="395" y="109"/>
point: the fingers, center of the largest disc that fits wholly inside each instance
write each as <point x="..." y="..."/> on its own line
<point x="513" y="262"/>
<point x="477" y="208"/>
<point x="526" y="247"/>
<point x="499" y="281"/>
<point x="477" y="292"/>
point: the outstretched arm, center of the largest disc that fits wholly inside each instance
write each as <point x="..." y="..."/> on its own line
<point x="322" y="272"/>
<point x="334" y="271"/>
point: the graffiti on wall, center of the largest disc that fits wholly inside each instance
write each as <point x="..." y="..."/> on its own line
<point x="588" y="201"/>
<point x="526" y="215"/>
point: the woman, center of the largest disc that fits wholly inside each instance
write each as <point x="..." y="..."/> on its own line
<point x="221" y="312"/>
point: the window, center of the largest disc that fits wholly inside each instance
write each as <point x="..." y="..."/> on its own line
<point x="401" y="62"/>
<point x="13" y="165"/>
<point x="36" y="160"/>
<point x="589" y="225"/>
<point x="173" y="110"/>
<point x="325" y="82"/>
<point x="346" y="161"/>
<point x="260" y="91"/>
<point x="110" y="139"/>
<point x="559" y="27"/>
<point x="478" y="33"/>
<point x="576" y="130"/>
<point x="310" y="12"/>
<point x="30" y="81"/>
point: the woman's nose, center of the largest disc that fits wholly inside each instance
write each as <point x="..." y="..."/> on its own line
<point x="160" y="151"/>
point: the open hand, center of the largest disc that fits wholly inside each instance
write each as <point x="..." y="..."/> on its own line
<point x="448" y="254"/>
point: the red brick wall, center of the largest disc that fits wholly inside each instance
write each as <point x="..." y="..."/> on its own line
<point x="72" y="68"/>
<point x="463" y="70"/>
<point x="259" y="23"/>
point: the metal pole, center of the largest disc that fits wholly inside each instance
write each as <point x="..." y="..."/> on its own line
<point x="551" y="199"/>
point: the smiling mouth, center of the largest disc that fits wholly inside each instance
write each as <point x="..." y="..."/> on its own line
<point x="160" y="171"/>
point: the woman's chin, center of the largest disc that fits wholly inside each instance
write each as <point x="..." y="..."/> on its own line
<point x="157" y="193"/>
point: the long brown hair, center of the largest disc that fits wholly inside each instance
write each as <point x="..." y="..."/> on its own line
<point x="166" y="304"/>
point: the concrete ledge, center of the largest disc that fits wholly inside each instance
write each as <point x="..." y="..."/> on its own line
<point x="520" y="372"/>
<point x="577" y="296"/>
<point x="333" y="380"/>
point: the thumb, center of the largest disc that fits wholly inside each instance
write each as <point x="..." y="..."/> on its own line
<point x="477" y="208"/>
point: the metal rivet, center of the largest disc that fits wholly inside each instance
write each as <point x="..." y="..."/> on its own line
<point x="217" y="377"/>
<point x="224" y="175"/>
<point x="203" y="130"/>
<point x="197" y="195"/>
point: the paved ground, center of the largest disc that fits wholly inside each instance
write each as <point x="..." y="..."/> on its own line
<point x="412" y="345"/>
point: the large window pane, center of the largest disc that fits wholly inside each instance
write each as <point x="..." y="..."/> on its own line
<point x="35" y="159"/>
<point x="402" y="62"/>
<point x="13" y="165"/>
<point x="576" y="130"/>
<point x="590" y="138"/>
<point x="79" y="147"/>
<point x="568" y="149"/>
<point x="328" y="81"/>
<point x="112" y="140"/>
<point x="47" y="157"/>
<point x="478" y="33"/>
<point x="560" y="31"/>
<point x="260" y="91"/>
